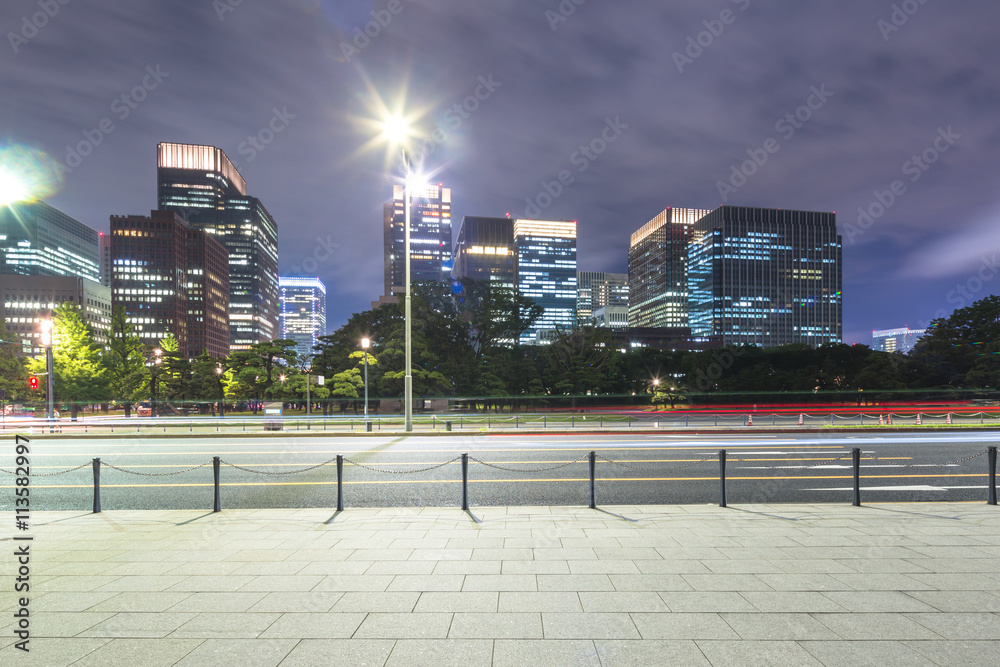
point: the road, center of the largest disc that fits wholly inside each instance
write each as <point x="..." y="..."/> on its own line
<point x="655" y="468"/>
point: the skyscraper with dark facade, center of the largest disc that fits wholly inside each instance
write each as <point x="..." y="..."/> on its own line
<point x="303" y="313"/>
<point x="200" y="184"/>
<point x="171" y="279"/>
<point x="546" y="273"/>
<point x="430" y="237"/>
<point x="485" y="251"/>
<point x="658" y="270"/>
<point x="766" y="277"/>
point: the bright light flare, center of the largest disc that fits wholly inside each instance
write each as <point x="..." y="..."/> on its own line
<point x="46" y="337"/>
<point x="397" y="129"/>
<point x="26" y="174"/>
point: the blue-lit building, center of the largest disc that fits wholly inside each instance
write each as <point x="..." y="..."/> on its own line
<point x="896" y="340"/>
<point x="546" y="273"/>
<point x="766" y="277"/>
<point x="203" y="187"/>
<point x="303" y="312"/>
<point x="430" y="237"/>
<point x="39" y="240"/>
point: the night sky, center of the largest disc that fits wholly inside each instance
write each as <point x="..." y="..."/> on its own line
<point x="677" y="116"/>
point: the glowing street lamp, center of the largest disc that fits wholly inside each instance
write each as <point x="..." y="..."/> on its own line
<point x="396" y="129"/>
<point x="365" y="343"/>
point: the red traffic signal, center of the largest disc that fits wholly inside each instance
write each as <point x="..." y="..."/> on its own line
<point x="33" y="382"/>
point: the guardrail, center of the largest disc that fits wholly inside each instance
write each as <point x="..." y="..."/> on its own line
<point x="591" y="459"/>
<point x="487" y="423"/>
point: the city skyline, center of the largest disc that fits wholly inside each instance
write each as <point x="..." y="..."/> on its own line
<point x="891" y="121"/>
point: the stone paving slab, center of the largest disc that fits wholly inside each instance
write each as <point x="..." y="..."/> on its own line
<point x="695" y="585"/>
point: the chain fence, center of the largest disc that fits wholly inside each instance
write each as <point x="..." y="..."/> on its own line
<point x="402" y="472"/>
<point x="528" y="470"/>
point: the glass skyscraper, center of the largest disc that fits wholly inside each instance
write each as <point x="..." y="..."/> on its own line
<point x="546" y="272"/>
<point x="485" y="250"/>
<point x="766" y="277"/>
<point x="39" y="240"/>
<point x="202" y="186"/>
<point x="896" y="340"/>
<point x="430" y="237"/>
<point x="658" y="269"/>
<point x="303" y="312"/>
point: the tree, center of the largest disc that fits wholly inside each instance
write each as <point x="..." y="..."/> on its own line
<point x="79" y="374"/>
<point x="206" y="380"/>
<point x="125" y="360"/>
<point x="965" y="347"/>
<point x="251" y="373"/>
<point x="13" y="366"/>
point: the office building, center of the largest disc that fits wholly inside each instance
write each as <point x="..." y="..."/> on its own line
<point x="39" y="240"/>
<point x="596" y="290"/>
<point x="485" y="251"/>
<point x="611" y="317"/>
<point x="766" y="277"/>
<point x="104" y="244"/>
<point x="303" y="313"/>
<point x="202" y="186"/>
<point x="27" y="300"/>
<point x="896" y="340"/>
<point x="171" y="279"/>
<point x="430" y="237"/>
<point x="546" y="273"/>
<point x="658" y="269"/>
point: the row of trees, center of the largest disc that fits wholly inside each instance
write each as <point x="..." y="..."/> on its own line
<point x="466" y="345"/>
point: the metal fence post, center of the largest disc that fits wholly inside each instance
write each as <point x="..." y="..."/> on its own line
<point x="856" y="458"/>
<point x="97" y="486"/>
<point x="340" y="482"/>
<point x="723" y="500"/>
<point x="593" y="480"/>
<point x="465" y="481"/>
<point x="991" y="456"/>
<point x="215" y="474"/>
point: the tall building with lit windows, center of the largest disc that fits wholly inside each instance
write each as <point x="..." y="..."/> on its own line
<point x="896" y="340"/>
<point x="596" y="290"/>
<point x="303" y="312"/>
<point x="202" y="186"/>
<point x="766" y="277"/>
<point x="658" y="270"/>
<point x="171" y="279"/>
<point x="485" y="251"/>
<point x="546" y="272"/>
<point x="430" y="237"/>
<point x="40" y="240"/>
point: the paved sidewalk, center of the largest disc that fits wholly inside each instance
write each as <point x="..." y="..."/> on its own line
<point x="652" y="585"/>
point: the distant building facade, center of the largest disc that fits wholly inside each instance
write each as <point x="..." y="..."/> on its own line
<point x="303" y="312"/>
<point x="546" y="273"/>
<point x="611" y="317"/>
<point x="658" y="269"/>
<point x="104" y="242"/>
<point x="171" y="279"/>
<point x="202" y="186"/>
<point x="27" y="300"/>
<point x="896" y="340"/>
<point x="485" y="251"/>
<point x="596" y="290"/>
<point x="37" y="239"/>
<point x="766" y="277"/>
<point x="430" y="237"/>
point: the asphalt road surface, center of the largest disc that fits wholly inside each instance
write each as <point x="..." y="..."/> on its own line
<point x="532" y="470"/>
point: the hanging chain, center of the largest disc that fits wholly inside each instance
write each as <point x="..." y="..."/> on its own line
<point x="283" y="472"/>
<point x="531" y="470"/>
<point x="681" y="466"/>
<point x="402" y="472"/>
<point x="47" y="474"/>
<point x="154" y="474"/>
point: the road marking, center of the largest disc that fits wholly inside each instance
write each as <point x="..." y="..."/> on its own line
<point x="915" y="487"/>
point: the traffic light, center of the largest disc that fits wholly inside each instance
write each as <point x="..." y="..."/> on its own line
<point x="33" y="382"/>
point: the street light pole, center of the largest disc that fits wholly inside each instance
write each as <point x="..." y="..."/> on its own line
<point x="364" y="346"/>
<point x="46" y="340"/>
<point x="408" y="379"/>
